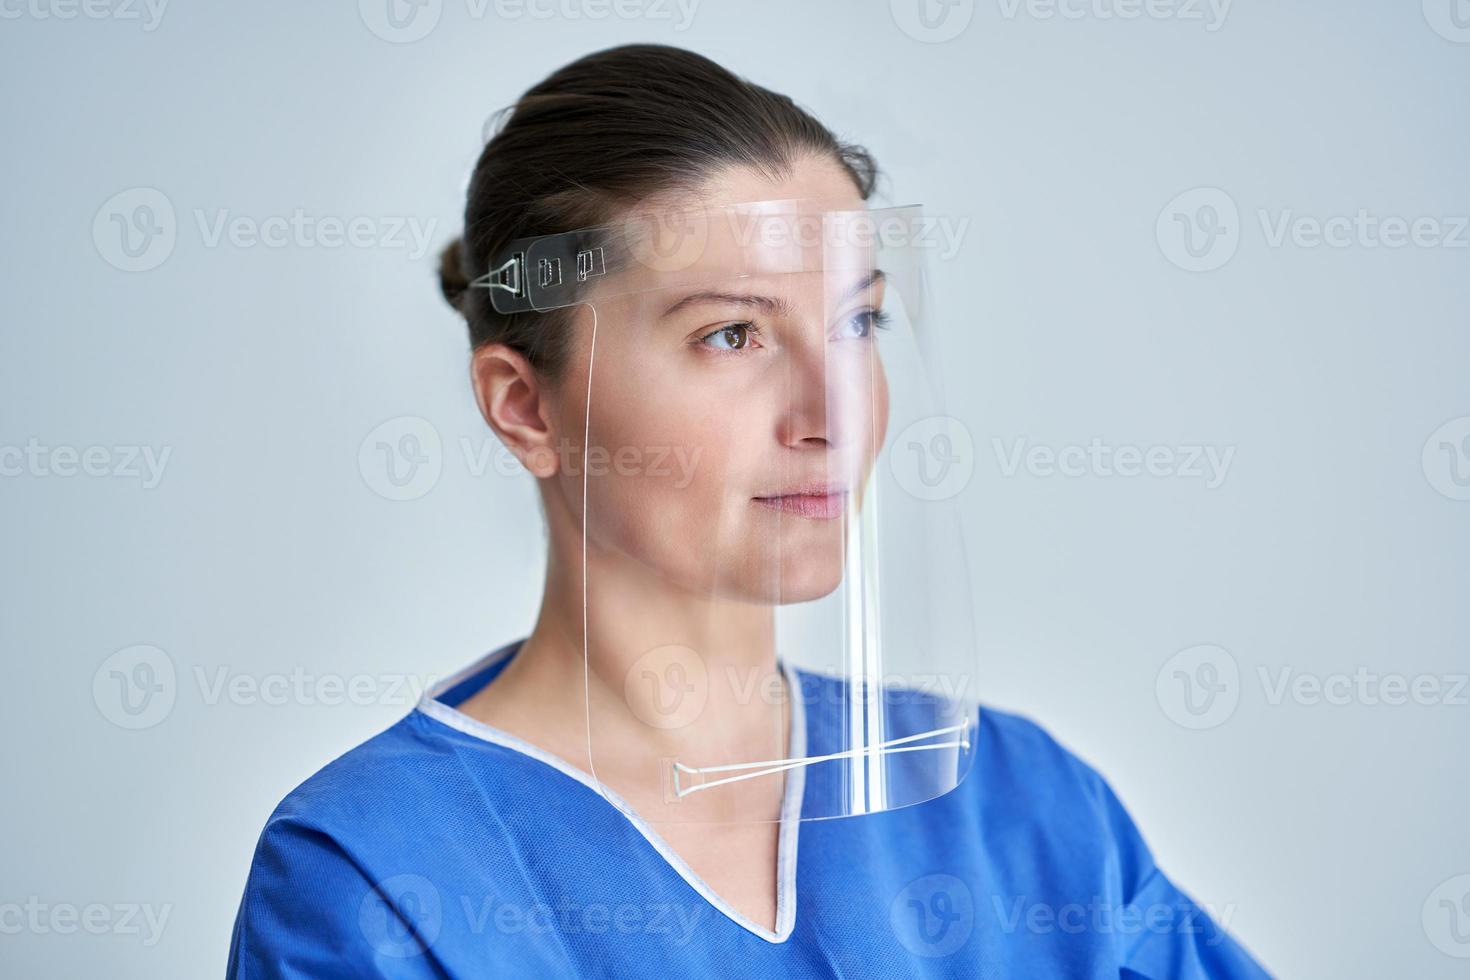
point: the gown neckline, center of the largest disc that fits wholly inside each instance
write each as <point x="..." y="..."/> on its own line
<point x="788" y="838"/>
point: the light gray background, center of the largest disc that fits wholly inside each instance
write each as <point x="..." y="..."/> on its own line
<point x="1326" y="834"/>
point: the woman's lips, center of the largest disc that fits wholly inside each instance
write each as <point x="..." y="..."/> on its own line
<point x="819" y="506"/>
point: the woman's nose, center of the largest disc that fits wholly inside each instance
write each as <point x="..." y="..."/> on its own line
<point x="824" y="402"/>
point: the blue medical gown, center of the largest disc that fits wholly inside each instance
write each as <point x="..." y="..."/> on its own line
<point x="444" y="848"/>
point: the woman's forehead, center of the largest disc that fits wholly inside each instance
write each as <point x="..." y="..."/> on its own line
<point x="794" y="249"/>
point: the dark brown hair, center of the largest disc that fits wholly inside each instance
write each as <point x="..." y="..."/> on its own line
<point x="603" y="132"/>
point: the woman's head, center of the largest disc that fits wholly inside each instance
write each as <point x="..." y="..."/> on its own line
<point x="724" y="426"/>
<point x="603" y="133"/>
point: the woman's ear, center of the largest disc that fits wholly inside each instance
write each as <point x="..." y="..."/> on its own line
<point x="514" y="403"/>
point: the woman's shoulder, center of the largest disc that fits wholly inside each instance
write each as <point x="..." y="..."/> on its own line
<point x="409" y="766"/>
<point x="395" y="776"/>
<point x="1020" y="761"/>
<point x="332" y="845"/>
<point x="1030" y="789"/>
<point x="1016" y="743"/>
<point x="435" y="774"/>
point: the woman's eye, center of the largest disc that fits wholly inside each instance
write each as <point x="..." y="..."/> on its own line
<point x="732" y="336"/>
<point x="862" y="325"/>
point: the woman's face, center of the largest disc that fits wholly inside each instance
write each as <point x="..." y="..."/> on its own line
<point x="737" y="399"/>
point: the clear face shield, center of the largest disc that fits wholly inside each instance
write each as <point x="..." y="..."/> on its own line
<point x="773" y="597"/>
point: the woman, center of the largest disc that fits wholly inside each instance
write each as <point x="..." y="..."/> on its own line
<point x="710" y="352"/>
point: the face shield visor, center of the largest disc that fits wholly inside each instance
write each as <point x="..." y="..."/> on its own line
<point x="776" y="613"/>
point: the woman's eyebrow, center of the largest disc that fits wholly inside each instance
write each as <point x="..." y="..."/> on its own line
<point x="770" y="305"/>
<point x="766" y="304"/>
<point x="872" y="279"/>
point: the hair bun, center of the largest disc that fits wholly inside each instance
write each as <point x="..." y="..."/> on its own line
<point x="453" y="282"/>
